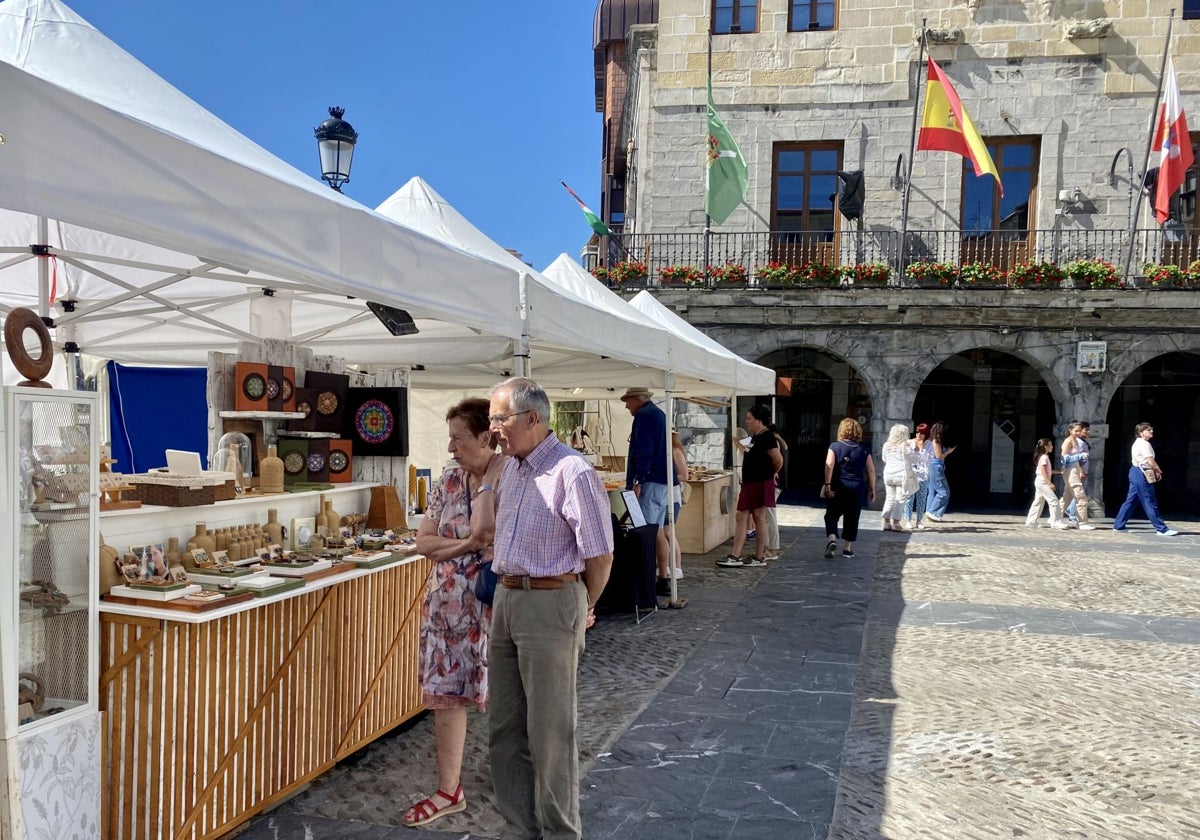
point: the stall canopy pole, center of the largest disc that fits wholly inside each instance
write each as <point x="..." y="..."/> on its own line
<point x="669" y="388"/>
<point x="43" y="232"/>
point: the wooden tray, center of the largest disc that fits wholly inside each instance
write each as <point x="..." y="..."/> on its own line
<point x="181" y="604"/>
<point x="324" y="573"/>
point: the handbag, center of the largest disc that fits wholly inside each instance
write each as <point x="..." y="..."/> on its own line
<point x="1152" y="475"/>
<point x="911" y="484"/>
<point x="485" y="578"/>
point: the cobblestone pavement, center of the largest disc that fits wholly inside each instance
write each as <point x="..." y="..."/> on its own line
<point x="979" y="680"/>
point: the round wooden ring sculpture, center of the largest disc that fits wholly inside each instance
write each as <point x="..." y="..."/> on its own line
<point x="15" y="324"/>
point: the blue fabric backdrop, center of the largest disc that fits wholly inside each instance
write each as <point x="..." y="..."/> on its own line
<point x="153" y="409"/>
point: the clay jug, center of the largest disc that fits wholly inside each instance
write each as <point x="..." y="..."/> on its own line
<point x="204" y="539"/>
<point x="270" y="472"/>
<point x="322" y="523"/>
<point x="173" y="556"/>
<point x="332" y="519"/>
<point x="110" y="573"/>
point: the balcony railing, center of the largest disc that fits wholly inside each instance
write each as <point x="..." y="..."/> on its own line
<point x="1002" y="249"/>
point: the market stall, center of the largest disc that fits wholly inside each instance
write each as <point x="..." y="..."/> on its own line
<point x="191" y="240"/>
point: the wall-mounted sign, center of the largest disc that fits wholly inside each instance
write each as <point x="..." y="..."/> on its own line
<point x="1092" y="357"/>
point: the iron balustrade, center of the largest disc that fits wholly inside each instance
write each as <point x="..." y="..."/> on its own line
<point x="1003" y="249"/>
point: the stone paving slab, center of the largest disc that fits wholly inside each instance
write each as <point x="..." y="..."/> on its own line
<point x="976" y="680"/>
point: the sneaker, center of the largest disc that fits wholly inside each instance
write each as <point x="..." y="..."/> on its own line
<point x="753" y="561"/>
<point x="830" y="548"/>
<point x="663" y="587"/>
<point x="1083" y="526"/>
<point x="678" y="573"/>
<point x="1170" y="532"/>
<point x="751" y="534"/>
<point x="731" y="561"/>
<point x="772" y="555"/>
<point x="1031" y="524"/>
<point x="1061" y="526"/>
<point x="921" y="526"/>
<point x="933" y="517"/>
<point x="908" y="526"/>
<point x="848" y="554"/>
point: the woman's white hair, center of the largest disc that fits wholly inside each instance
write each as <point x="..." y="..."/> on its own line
<point x="898" y="434"/>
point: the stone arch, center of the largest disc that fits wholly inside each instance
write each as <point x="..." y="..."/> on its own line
<point x="894" y="374"/>
<point x="1121" y="365"/>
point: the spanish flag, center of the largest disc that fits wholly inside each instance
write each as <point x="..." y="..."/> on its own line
<point x="945" y="126"/>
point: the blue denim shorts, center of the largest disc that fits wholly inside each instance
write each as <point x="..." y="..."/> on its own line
<point x="653" y="499"/>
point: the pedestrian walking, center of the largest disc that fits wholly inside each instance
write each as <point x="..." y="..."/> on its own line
<point x="1043" y="488"/>
<point x="1075" y="451"/>
<point x="914" y="506"/>
<point x="939" y="488"/>
<point x="1144" y="473"/>
<point x="849" y="486"/>
<point x="898" y="476"/>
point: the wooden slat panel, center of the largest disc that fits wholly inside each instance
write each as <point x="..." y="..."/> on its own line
<point x="208" y="724"/>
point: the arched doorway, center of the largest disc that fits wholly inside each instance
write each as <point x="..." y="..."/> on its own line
<point x="816" y="390"/>
<point x="996" y="406"/>
<point x="1166" y="393"/>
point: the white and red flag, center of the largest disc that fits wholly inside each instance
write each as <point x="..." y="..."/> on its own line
<point x="1173" y="144"/>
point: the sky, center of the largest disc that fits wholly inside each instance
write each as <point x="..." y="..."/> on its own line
<point x="491" y="103"/>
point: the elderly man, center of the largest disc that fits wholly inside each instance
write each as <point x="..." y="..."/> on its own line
<point x="646" y="472"/>
<point x="553" y="553"/>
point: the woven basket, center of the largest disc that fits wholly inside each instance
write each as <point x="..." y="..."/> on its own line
<point x="180" y="491"/>
<point x="171" y="495"/>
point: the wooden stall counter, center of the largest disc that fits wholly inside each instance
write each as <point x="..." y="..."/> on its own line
<point x="707" y="520"/>
<point x="212" y="717"/>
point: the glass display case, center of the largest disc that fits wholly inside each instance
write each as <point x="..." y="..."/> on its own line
<point x="51" y="465"/>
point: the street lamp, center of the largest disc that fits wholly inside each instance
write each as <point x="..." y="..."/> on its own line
<point x="335" y="144"/>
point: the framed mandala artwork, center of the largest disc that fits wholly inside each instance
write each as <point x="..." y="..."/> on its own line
<point x="341" y="461"/>
<point x="329" y="402"/>
<point x="251" y="385"/>
<point x="376" y="420"/>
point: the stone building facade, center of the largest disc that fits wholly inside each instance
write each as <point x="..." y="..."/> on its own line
<point x="1061" y="91"/>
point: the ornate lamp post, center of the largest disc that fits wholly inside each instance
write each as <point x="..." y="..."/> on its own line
<point x="335" y="144"/>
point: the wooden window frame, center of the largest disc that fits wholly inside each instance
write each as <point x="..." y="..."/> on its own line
<point x="821" y="251"/>
<point x="812" y="4"/>
<point x="738" y="10"/>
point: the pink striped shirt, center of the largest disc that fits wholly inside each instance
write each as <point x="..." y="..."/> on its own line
<point x="552" y="513"/>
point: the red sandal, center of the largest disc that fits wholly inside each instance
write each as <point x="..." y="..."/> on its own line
<point x="426" y="811"/>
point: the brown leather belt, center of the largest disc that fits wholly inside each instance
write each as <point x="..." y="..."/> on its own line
<point x="526" y="582"/>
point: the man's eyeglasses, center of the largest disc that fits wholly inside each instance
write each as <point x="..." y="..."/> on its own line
<point x="498" y="419"/>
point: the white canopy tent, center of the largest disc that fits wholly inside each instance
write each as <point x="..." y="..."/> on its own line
<point x="748" y="378"/>
<point x="582" y="339"/>
<point x="165" y="226"/>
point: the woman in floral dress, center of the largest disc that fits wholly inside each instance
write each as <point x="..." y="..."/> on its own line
<point x="456" y="535"/>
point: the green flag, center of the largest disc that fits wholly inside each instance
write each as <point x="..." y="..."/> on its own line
<point x="594" y="221"/>
<point x="726" y="176"/>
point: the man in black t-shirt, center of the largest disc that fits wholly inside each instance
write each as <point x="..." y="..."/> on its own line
<point x="760" y="465"/>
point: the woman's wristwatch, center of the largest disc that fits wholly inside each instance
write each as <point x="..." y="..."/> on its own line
<point x="483" y="488"/>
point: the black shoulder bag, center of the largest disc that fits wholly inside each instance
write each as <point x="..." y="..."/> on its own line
<point x="485" y="578"/>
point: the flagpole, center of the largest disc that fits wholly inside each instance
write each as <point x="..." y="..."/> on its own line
<point x="707" y="218"/>
<point x="912" y="151"/>
<point x="1137" y="208"/>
